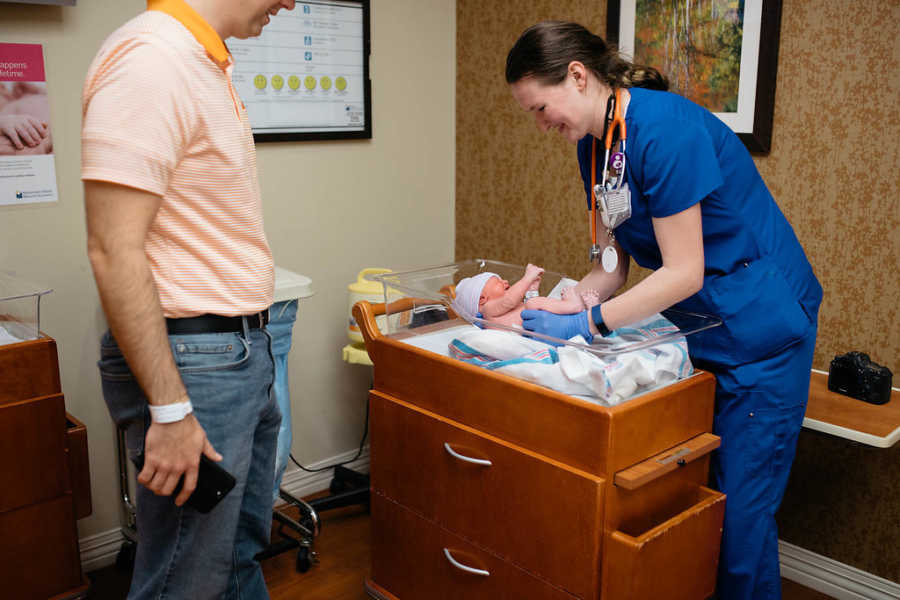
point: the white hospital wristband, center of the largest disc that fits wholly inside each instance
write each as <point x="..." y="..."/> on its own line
<point x="170" y="413"/>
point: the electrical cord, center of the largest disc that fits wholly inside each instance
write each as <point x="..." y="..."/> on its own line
<point x="362" y="443"/>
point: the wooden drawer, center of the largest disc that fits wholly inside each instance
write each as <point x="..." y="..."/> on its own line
<point x="561" y="427"/>
<point x="32" y="451"/>
<point x="29" y="369"/>
<point x="79" y="465"/>
<point x="534" y="512"/>
<point x="409" y="562"/>
<point x="39" y="551"/>
<point x="672" y="560"/>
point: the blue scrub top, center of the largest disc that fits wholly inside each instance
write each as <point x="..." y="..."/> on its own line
<point x="757" y="277"/>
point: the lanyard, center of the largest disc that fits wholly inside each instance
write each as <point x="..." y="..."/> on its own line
<point x="617" y="121"/>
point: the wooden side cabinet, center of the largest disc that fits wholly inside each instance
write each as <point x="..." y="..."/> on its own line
<point x="44" y="477"/>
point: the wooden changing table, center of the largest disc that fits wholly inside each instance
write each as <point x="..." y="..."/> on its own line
<point x="488" y="487"/>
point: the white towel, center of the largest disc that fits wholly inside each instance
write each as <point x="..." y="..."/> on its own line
<point x="569" y="370"/>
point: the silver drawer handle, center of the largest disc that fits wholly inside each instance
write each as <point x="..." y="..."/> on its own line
<point x="468" y="459"/>
<point x="463" y="567"/>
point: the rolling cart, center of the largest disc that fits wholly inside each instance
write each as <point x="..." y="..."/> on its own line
<point x="347" y="487"/>
<point x="125" y="556"/>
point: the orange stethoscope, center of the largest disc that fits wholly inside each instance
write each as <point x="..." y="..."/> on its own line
<point x="613" y="199"/>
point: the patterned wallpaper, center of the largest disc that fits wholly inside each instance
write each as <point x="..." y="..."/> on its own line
<point x="832" y="169"/>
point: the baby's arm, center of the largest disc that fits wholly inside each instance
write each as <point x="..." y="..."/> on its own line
<point x="513" y="297"/>
<point x="570" y="303"/>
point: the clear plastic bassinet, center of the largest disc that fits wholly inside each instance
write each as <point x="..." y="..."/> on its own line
<point x="419" y="302"/>
<point x="20" y="309"/>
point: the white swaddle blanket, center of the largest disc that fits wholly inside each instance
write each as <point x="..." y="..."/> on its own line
<point x="609" y="380"/>
<point x="6" y="333"/>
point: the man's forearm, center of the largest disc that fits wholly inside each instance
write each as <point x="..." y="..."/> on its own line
<point x="131" y="303"/>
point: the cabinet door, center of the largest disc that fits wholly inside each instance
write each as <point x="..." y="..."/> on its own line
<point x="32" y="451"/>
<point x="675" y="559"/>
<point x="39" y="551"/>
<point x="536" y="513"/>
<point x="415" y="559"/>
<point x="30" y="370"/>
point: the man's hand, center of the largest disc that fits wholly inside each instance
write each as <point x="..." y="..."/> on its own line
<point x="172" y="450"/>
<point x="563" y="327"/>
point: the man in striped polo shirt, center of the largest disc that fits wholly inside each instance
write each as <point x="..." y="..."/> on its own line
<point x="185" y="276"/>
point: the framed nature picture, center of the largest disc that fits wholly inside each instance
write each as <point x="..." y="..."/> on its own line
<point x="722" y="54"/>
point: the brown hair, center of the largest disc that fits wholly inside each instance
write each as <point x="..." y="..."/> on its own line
<point x="545" y="50"/>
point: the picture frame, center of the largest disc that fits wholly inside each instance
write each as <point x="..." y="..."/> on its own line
<point x="748" y="105"/>
<point x="53" y="2"/>
<point x="306" y="77"/>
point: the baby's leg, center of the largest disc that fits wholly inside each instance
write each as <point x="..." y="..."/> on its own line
<point x="590" y="298"/>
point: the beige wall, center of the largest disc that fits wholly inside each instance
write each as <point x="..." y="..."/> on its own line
<point x="331" y="208"/>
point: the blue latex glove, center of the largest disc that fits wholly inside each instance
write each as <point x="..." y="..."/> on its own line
<point x="558" y="326"/>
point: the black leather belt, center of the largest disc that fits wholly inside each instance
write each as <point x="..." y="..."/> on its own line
<point x="216" y="323"/>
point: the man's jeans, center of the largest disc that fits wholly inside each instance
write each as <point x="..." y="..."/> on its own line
<point x="182" y="553"/>
<point x="281" y="321"/>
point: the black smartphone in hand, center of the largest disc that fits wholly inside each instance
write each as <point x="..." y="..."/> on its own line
<point x="213" y="483"/>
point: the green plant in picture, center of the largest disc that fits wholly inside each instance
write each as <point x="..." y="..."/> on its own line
<point x="696" y="44"/>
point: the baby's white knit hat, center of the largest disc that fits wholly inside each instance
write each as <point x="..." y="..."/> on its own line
<point x="468" y="291"/>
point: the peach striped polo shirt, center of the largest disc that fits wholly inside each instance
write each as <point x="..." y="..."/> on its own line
<point x="160" y="114"/>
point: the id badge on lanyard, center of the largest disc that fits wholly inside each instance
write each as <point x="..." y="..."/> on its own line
<point x="615" y="209"/>
<point x="615" y="206"/>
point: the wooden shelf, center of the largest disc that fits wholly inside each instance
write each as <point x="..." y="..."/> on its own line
<point x="849" y="418"/>
<point x="665" y="462"/>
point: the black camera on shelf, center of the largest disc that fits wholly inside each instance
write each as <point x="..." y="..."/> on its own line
<point x="854" y="375"/>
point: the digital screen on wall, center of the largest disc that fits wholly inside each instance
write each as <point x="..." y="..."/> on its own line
<point x="307" y="76"/>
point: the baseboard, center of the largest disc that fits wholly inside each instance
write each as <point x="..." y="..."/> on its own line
<point x="831" y="577"/>
<point x="100" y="550"/>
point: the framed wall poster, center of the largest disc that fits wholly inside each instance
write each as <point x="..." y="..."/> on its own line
<point x="56" y="2"/>
<point x="307" y="76"/>
<point x="722" y="54"/>
<point x="27" y="163"/>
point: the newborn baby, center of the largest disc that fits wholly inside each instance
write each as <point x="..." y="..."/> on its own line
<point x="500" y="302"/>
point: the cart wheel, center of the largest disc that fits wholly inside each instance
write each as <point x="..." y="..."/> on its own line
<point x="304" y="560"/>
<point x="125" y="557"/>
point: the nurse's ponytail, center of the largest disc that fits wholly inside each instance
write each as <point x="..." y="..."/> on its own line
<point x="545" y="50"/>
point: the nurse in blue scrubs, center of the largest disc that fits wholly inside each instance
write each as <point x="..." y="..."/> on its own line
<point x="703" y="220"/>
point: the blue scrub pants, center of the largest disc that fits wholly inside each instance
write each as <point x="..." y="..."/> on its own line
<point x="281" y="322"/>
<point x="759" y="412"/>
